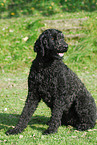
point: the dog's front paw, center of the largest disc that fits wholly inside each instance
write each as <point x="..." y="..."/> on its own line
<point x="48" y="131"/>
<point x="48" y="123"/>
<point x="13" y="131"/>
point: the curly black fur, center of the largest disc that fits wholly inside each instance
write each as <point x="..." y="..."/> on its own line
<point x="59" y="87"/>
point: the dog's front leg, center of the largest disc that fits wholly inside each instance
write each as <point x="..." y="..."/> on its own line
<point x="29" y="108"/>
<point x="56" y="115"/>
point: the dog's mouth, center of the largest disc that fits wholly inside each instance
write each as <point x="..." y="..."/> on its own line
<point x="61" y="54"/>
<point x="61" y="50"/>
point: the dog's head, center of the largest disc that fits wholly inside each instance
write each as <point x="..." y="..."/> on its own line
<point x="51" y="43"/>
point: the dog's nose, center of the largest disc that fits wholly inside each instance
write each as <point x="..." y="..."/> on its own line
<point x="65" y="47"/>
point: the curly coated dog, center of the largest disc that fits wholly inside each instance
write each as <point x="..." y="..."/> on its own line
<point x="58" y="86"/>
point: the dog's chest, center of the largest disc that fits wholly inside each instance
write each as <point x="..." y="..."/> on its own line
<point x="45" y="81"/>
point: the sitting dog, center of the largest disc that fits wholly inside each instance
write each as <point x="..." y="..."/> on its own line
<point x="58" y="86"/>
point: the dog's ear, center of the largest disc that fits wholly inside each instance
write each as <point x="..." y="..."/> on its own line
<point x="40" y="44"/>
<point x="37" y="45"/>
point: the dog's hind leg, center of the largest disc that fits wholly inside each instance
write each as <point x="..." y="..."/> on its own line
<point x="86" y="111"/>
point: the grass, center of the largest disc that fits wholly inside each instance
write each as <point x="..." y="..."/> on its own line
<point x="17" y="36"/>
<point x="16" y="8"/>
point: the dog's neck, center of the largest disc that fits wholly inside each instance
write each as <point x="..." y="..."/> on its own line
<point x="43" y="62"/>
<point x="48" y="58"/>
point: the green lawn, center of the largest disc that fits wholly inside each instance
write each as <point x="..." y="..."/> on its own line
<point x="17" y="37"/>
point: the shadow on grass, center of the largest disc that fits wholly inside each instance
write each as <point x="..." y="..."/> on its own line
<point x="9" y="120"/>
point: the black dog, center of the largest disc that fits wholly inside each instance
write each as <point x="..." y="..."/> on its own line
<point x="60" y="88"/>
